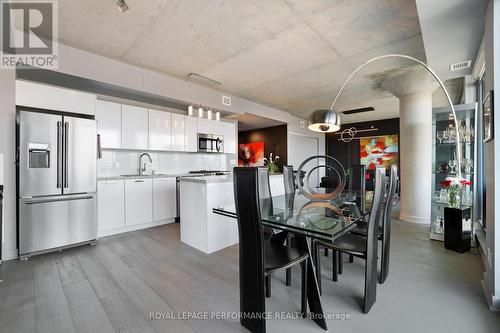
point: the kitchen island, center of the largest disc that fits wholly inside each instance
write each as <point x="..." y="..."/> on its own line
<point x="200" y="227"/>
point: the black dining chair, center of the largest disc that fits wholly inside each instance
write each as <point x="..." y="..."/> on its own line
<point x="259" y="258"/>
<point x="264" y="184"/>
<point x="289" y="179"/>
<point x="265" y="193"/>
<point x="384" y="230"/>
<point x="359" y="246"/>
<point x="357" y="183"/>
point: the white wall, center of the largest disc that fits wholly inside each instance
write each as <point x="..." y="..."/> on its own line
<point x="7" y="147"/>
<point x="491" y="283"/>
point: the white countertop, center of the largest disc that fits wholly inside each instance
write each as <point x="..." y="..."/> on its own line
<point x="208" y="179"/>
<point x="159" y="175"/>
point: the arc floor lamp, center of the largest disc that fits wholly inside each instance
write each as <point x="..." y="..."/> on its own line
<point x="327" y="120"/>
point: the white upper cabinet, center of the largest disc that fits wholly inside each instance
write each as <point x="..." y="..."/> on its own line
<point x="109" y="124"/>
<point x="190" y="134"/>
<point x="135" y="123"/>
<point x="160" y="130"/>
<point x="206" y="126"/>
<point x="230" y="138"/>
<point x="177" y="132"/>
<point x="43" y="96"/>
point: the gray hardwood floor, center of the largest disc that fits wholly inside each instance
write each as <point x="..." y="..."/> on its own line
<point x="115" y="285"/>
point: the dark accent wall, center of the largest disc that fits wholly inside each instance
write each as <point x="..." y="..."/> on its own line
<point x="274" y="138"/>
<point x="348" y="153"/>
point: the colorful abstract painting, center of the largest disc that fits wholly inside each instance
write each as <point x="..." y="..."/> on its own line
<point x="379" y="151"/>
<point x="251" y="154"/>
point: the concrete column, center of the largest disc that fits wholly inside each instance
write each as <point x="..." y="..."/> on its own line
<point x="415" y="124"/>
<point x="414" y="88"/>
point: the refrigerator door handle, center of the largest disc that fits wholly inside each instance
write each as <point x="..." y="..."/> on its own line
<point x="32" y="202"/>
<point x="59" y="154"/>
<point x="66" y="135"/>
<point x="99" y="148"/>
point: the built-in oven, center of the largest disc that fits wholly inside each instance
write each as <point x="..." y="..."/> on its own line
<point x="209" y="143"/>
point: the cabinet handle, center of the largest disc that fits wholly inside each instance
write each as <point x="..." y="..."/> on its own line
<point x="139" y="181"/>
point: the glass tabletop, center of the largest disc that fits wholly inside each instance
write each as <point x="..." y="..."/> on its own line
<point x="324" y="220"/>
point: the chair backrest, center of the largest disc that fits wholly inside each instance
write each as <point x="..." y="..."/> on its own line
<point x="288" y="179"/>
<point x="357" y="182"/>
<point x="251" y="241"/>
<point x="264" y="185"/>
<point x="372" y="239"/>
<point x="391" y="192"/>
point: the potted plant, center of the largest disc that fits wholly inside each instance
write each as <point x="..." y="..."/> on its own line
<point x="455" y="187"/>
<point x="272" y="164"/>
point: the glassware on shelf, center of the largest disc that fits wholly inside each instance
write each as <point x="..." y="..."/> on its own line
<point x="467" y="198"/>
<point x="452" y="164"/>
<point x="439" y="225"/>
<point x="444" y="196"/>
<point x="440" y="135"/>
<point x="467" y="165"/>
<point x="450" y="134"/>
<point x="437" y="196"/>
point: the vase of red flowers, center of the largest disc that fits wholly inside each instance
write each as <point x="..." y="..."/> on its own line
<point x="455" y="187"/>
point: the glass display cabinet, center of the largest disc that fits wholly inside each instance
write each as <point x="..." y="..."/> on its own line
<point x="444" y="160"/>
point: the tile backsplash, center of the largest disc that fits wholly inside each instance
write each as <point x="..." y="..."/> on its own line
<point x="121" y="162"/>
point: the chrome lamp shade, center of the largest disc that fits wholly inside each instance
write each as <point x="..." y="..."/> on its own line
<point x="324" y="121"/>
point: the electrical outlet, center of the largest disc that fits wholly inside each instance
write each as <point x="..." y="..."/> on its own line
<point x="490" y="255"/>
<point x="303" y="124"/>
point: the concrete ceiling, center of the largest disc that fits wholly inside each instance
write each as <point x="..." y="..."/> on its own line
<point x="289" y="54"/>
<point x="452" y="32"/>
<point x="247" y="121"/>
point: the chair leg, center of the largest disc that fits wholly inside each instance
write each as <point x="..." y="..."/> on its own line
<point x="335" y="276"/>
<point x="326" y="252"/>
<point x="303" y="305"/>
<point x="351" y="258"/>
<point x="288" y="273"/>
<point x="317" y="264"/>
<point x="341" y="263"/>
<point x="267" y="281"/>
<point x="384" y="261"/>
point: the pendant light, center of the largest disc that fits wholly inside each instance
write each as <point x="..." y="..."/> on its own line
<point x="324" y="121"/>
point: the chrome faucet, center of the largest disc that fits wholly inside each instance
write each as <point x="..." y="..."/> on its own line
<point x="142" y="169"/>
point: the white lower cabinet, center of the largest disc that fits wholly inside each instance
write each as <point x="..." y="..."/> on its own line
<point x="164" y="198"/>
<point x="138" y="201"/>
<point x="110" y="205"/>
<point x="130" y="204"/>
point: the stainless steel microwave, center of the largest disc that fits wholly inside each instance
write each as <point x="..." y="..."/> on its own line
<point x="209" y="143"/>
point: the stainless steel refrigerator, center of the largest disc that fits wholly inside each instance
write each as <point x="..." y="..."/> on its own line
<point x="56" y="163"/>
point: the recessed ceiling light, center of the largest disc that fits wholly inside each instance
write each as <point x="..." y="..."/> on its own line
<point x="122" y="6"/>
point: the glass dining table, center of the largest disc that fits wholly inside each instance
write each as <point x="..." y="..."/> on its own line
<point x="306" y="220"/>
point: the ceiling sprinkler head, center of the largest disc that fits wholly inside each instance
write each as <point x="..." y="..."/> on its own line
<point x="122" y="6"/>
